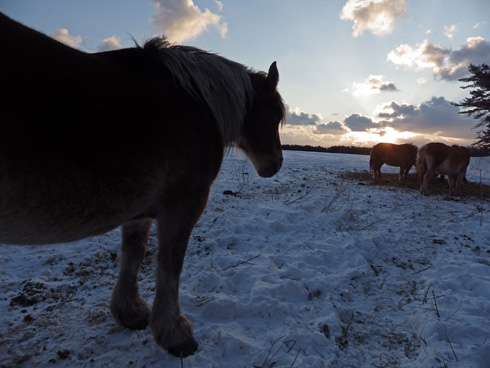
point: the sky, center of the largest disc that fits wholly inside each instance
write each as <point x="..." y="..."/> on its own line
<point x="352" y="72"/>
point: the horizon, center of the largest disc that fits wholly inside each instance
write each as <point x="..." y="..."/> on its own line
<point x="352" y="72"/>
<point x="365" y="150"/>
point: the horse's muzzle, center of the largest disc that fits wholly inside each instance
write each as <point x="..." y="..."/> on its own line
<point x="271" y="169"/>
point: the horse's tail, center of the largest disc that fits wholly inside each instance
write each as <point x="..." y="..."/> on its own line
<point x="371" y="161"/>
<point x="467" y="156"/>
<point x="421" y="163"/>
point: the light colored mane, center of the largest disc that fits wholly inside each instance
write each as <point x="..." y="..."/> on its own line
<point x="221" y="84"/>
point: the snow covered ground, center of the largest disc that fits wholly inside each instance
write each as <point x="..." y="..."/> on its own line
<point x="306" y="269"/>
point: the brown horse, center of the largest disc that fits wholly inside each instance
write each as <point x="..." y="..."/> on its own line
<point x="400" y="155"/>
<point x="90" y="142"/>
<point x="438" y="158"/>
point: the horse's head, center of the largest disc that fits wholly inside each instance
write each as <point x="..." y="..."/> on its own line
<point x="260" y="137"/>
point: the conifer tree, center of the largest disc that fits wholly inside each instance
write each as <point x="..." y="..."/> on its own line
<point x="478" y="105"/>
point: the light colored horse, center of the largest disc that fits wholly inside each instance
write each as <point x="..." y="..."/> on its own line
<point x="438" y="158"/>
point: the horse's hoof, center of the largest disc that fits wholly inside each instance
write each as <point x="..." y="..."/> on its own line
<point x="135" y="316"/>
<point x="185" y="349"/>
<point x="174" y="335"/>
<point x="137" y="324"/>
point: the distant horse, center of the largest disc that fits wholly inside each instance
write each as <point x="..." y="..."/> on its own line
<point x="438" y="158"/>
<point x="401" y="155"/>
<point x="89" y="142"/>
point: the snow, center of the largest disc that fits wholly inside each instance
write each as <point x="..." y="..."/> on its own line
<point x="306" y="269"/>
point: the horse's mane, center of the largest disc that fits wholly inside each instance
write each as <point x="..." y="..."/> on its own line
<point x="221" y="84"/>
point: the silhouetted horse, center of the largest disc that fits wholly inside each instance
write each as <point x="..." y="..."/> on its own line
<point x="438" y="158"/>
<point x="401" y="155"/>
<point x="89" y="142"/>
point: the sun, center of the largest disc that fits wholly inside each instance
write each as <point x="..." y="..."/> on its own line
<point x="389" y="135"/>
<point x="386" y="135"/>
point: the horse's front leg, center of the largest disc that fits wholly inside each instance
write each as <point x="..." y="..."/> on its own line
<point x="181" y="209"/>
<point x="127" y="306"/>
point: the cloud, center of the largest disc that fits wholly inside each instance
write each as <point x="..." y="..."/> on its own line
<point x="359" y="123"/>
<point x="394" y="110"/>
<point x="332" y="128"/>
<point x="219" y="4"/>
<point x="425" y="55"/>
<point x="476" y="51"/>
<point x="436" y="116"/>
<point x="63" y="36"/>
<point x="478" y="24"/>
<point x="445" y="63"/>
<point x="296" y="117"/>
<point x="375" y="16"/>
<point x="449" y="31"/>
<point x="436" y="119"/>
<point x="111" y="43"/>
<point x="374" y="84"/>
<point x="181" y="20"/>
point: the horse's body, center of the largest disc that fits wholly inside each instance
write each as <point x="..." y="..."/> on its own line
<point x="400" y="155"/>
<point x="90" y="142"/>
<point x="438" y="158"/>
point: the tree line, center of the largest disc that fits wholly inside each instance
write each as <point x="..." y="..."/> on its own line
<point x="475" y="151"/>
<point x="334" y="149"/>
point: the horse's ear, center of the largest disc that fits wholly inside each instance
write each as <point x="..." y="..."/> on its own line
<point x="272" y="77"/>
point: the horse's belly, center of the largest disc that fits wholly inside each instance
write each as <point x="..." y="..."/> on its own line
<point x="60" y="221"/>
<point x="448" y="168"/>
<point x="392" y="162"/>
<point x="34" y="229"/>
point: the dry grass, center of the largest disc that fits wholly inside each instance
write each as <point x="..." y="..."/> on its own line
<point x="436" y="186"/>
